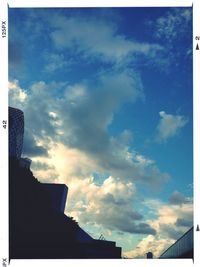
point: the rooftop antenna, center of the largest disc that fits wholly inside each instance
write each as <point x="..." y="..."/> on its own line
<point x="102" y="237"/>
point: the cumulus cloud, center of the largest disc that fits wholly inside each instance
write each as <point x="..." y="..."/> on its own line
<point x="169" y="125"/>
<point x="36" y="106"/>
<point x="18" y="97"/>
<point x="82" y="115"/>
<point x="169" y="214"/>
<point x="80" y="118"/>
<point x="66" y="128"/>
<point x="89" y="111"/>
<point x="170" y="224"/>
<point x="16" y="93"/>
<point x="88" y="115"/>
<point x="149" y="243"/>
<point x="108" y="205"/>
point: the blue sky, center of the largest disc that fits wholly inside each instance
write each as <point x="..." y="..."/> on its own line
<point x="107" y="97"/>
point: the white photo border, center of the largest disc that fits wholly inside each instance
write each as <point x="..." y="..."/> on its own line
<point x="4" y="229"/>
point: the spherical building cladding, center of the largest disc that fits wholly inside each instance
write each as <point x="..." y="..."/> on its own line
<point x="16" y="132"/>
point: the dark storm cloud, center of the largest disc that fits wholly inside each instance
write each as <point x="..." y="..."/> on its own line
<point x="128" y="225"/>
<point x="183" y="222"/>
<point x="41" y="166"/>
<point x="132" y="228"/>
<point x="114" y="218"/>
<point x="178" y="198"/>
<point x="144" y="228"/>
<point x="170" y="231"/>
<point x="31" y="149"/>
<point x="109" y="198"/>
<point x="116" y="212"/>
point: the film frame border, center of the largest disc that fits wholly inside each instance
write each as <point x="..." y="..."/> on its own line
<point x="4" y="5"/>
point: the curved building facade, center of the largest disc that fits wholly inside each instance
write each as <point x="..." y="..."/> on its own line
<point x="16" y="132"/>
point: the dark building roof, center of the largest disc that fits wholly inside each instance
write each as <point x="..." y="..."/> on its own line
<point x="57" y="194"/>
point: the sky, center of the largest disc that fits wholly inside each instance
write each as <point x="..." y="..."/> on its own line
<point x="107" y="99"/>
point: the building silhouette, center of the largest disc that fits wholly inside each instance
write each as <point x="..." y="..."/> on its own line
<point x="57" y="194"/>
<point x="182" y="248"/>
<point x="16" y="132"/>
<point x="38" y="227"/>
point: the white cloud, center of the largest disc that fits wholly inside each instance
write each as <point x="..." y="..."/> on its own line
<point x="87" y="37"/>
<point x="174" y="24"/>
<point x="17" y="94"/>
<point x="79" y="120"/>
<point x="108" y="206"/>
<point x="171" y="223"/>
<point x="83" y="114"/>
<point x="169" y="125"/>
<point x="126" y="137"/>
<point x="76" y="93"/>
<point x="170" y="214"/>
<point x="173" y="30"/>
<point x="149" y="243"/>
<point x="55" y="62"/>
<point x="68" y="164"/>
<point x="80" y="33"/>
<point x="142" y="161"/>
